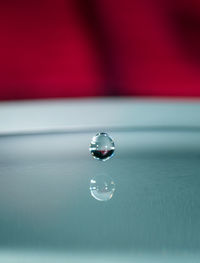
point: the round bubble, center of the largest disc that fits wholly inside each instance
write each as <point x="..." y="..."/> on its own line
<point x="102" y="187"/>
<point x="102" y="146"/>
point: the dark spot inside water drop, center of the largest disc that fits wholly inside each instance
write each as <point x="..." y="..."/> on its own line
<point x="102" y="154"/>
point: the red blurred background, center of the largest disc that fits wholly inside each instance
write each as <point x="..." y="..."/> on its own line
<point x="76" y="48"/>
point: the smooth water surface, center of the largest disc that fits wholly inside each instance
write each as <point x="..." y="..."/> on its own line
<point x="47" y="207"/>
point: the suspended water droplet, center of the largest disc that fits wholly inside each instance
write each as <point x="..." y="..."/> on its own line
<point x="102" y="146"/>
<point x="102" y="187"/>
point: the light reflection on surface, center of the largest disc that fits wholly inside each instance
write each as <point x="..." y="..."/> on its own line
<point x="102" y="187"/>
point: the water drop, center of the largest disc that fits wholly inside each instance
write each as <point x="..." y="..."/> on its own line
<point x="102" y="187"/>
<point x="102" y="146"/>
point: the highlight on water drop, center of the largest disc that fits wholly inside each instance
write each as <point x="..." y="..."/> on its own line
<point x="102" y="146"/>
<point x="102" y="187"/>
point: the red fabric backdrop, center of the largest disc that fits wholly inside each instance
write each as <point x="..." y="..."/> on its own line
<point x="76" y="48"/>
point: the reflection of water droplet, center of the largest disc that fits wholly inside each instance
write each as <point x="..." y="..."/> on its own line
<point x="102" y="146"/>
<point x="102" y="187"/>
